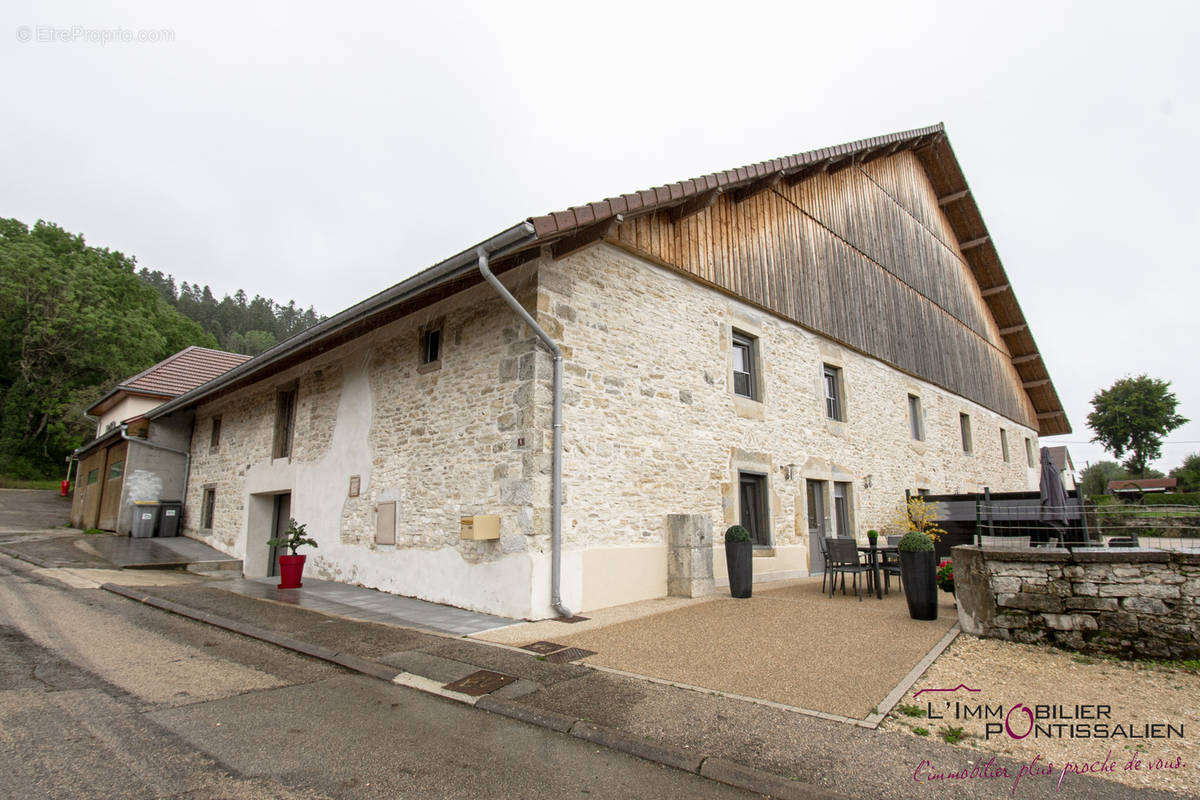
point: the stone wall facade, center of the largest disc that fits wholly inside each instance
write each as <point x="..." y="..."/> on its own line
<point x="653" y="426"/>
<point x="1128" y="603"/>
<point x="468" y="435"/>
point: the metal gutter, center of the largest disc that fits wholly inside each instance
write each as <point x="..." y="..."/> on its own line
<point x="556" y="491"/>
<point x="451" y="268"/>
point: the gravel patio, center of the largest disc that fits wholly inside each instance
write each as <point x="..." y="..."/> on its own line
<point x="790" y="644"/>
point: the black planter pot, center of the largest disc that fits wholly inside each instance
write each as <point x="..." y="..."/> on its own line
<point x="739" y="558"/>
<point x="919" y="574"/>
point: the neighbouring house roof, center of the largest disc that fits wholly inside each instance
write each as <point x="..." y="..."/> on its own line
<point x="1143" y="485"/>
<point x="191" y="367"/>
<point x="1062" y="458"/>
<point x="578" y="226"/>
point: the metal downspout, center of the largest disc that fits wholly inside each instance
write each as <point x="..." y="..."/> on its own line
<point x="556" y="498"/>
<point x="187" y="455"/>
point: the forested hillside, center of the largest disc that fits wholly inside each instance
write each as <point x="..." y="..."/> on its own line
<point x="75" y="320"/>
<point x="240" y="325"/>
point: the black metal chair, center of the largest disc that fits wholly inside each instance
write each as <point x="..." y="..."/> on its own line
<point x="889" y="564"/>
<point x="843" y="559"/>
<point x="824" y="542"/>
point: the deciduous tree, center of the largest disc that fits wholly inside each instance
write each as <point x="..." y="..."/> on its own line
<point x="1132" y="416"/>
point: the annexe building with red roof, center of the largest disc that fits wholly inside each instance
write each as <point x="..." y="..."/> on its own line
<point x="788" y="346"/>
<point x="103" y="496"/>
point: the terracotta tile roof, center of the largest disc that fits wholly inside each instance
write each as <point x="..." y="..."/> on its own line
<point x="185" y="370"/>
<point x="595" y="219"/>
<point x="1142" y="484"/>
<point x="659" y="197"/>
<point x="174" y="375"/>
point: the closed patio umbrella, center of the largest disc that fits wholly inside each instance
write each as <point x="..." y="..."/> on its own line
<point x="1053" y="510"/>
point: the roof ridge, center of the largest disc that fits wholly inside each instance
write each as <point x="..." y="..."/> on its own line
<point x="677" y="191"/>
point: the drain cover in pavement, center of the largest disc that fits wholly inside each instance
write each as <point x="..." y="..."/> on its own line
<point x="543" y="647"/>
<point x="480" y="683"/>
<point x="572" y="620"/>
<point x="570" y="654"/>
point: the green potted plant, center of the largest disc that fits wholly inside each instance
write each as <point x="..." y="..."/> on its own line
<point x="918" y="571"/>
<point x="291" y="566"/>
<point x="918" y="559"/>
<point x="739" y="561"/>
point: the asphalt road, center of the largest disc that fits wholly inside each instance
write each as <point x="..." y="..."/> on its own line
<point x="29" y="509"/>
<point x="101" y="697"/>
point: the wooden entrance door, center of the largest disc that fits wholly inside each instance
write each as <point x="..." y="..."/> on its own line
<point x="89" y="485"/>
<point x="113" y="480"/>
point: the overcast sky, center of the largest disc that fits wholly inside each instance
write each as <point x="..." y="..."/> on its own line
<point x="324" y="152"/>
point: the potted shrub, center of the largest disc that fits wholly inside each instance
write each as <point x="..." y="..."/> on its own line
<point x="739" y="561"/>
<point x="945" y="575"/>
<point x="291" y="566"/>
<point x="918" y="573"/>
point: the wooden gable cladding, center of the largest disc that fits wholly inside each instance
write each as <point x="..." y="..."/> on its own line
<point x="864" y="256"/>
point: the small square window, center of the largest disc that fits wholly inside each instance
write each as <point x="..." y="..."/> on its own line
<point x="1004" y="445"/>
<point x="964" y="424"/>
<point x="206" y="509"/>
<point x="116" y="470"/>
<point x="215" y="440"/>
<point x="1029" y="451"/>
<point x="832" y="379"/>
<point x="916" y="423"/>
<point x="745" y="378"/>
<point x="93" y="476"/>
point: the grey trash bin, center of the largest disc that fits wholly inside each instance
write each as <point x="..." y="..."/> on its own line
<point x="168" y="517"/>
<point x="145" y="518"/>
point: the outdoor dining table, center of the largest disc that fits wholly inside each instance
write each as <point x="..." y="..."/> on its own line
<point x="874" y="555"/>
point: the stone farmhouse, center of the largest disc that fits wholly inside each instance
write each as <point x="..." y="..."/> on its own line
<point x="789" y="345"/>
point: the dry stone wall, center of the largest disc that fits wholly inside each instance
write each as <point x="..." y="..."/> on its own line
<point x="1129" y="603"/>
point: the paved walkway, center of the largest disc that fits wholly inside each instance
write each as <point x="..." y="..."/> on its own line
<point x="70" y="548"/>
<point x="369" y="605"/>
<point x="763" y="748"/>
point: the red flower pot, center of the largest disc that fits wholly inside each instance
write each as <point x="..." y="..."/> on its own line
<point x="290" y="570"/>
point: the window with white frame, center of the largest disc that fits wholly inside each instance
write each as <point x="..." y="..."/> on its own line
<point x="964" y="424"/>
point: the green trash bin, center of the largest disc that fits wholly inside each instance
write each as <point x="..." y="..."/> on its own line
<point x="145" y="518"/>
